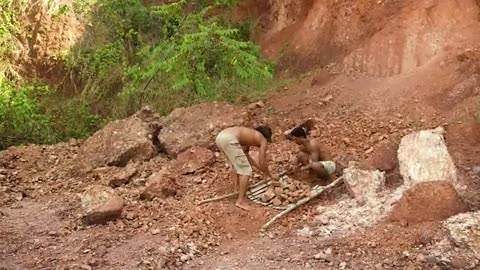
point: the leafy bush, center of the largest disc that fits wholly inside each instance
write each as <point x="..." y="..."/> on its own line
<point x="130" y="55"/>
<point x="24" y="118"/>
<point x="21" y="118"/>
<point x="11" y="49"/>
<point x="167" y="56"/>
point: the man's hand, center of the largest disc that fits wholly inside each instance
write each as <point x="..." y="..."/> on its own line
<point x="304" y="168"/>
<point x="265" y="170"/>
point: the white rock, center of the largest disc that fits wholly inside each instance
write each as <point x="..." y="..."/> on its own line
<point x="423" y="156"/>
<point x="464" y="229"/>
<point x="364" y="185"/>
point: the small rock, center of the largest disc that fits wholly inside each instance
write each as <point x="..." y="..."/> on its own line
<point x="328" y="251"/>
<point x="421" y="258"/>
<point x="155" y="231"/>
<point x="130" y="216"/>
<point x="327" y="98"/>
<point x="276" y="202"/>
<point x="52" y="233"/>
<point x="321" y="256"/>
<point x="19" y="196"/>
<point x="476" y="170"/>
<point x="100" y="204"/>
<point x="184" y="258"/>
<point x="342" y="265"/>
<point x="123" y="176"/>
<point x="139" y="182"/>
<point x="256" y="105"/>
<point x="323" y="220"/>
<point x="159" y="185"/>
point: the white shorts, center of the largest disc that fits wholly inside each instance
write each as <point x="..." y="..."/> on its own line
<point x="232" y="149"/>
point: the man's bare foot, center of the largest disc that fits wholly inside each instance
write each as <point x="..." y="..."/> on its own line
<point x="243" y="205"/>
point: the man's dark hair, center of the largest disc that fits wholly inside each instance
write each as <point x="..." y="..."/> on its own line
<point x="266" y="132"/>
<point x="300" y="132"/>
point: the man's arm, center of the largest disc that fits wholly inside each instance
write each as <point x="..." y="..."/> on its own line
<point x="261" y="158"/>
<point x="252" y="161"/>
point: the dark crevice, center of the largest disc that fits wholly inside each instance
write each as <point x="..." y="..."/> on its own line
<point x="156" y="141"/>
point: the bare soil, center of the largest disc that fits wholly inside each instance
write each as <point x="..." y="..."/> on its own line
<point x="377" y="70"/>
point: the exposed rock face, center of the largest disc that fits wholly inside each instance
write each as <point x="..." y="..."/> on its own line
<point x="100" y="204"/>
<point x="121" y="141"/>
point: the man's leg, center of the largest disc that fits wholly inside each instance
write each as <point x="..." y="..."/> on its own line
<point x="234" y="177"/>
<point x="319" y="171"/>
<point x="242" y="201"/>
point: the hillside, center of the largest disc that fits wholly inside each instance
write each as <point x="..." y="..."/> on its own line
<point x="370" y="73"/>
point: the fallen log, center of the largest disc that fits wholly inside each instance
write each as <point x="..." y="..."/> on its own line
<point x="221" y="197"/>
<point x="313" y="194"/>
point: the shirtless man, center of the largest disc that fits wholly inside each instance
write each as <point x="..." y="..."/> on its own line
<point x="235" y="142"/>
<point x="313" y="154"/>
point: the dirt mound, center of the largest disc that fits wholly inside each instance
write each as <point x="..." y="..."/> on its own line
<point x="464" y="133"/>
<point x="428" y="201"/>
<point x="384" y="156"/>
<point x="43" y="38"/>
<point x="198" y="125"/>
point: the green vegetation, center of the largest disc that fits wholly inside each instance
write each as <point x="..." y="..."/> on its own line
<point x="131" y="55"/>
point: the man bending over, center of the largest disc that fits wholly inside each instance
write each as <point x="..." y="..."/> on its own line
<point x="235" y="143"/>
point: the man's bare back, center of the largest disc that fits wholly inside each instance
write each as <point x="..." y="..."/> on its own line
<point x="235" y="143"/>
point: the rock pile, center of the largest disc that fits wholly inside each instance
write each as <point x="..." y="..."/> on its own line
<point x="285" y="191"/>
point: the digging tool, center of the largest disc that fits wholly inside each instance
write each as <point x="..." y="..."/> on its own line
<point x="313" y="194"/>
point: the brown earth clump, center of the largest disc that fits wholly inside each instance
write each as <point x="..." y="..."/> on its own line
<point x="428" y="201"/>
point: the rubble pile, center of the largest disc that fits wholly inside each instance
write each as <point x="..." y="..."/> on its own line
<point x="285" y="192"/>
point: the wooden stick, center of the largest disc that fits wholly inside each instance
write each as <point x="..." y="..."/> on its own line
<point x="221" y="197"/>
<point x="311" y="196"/>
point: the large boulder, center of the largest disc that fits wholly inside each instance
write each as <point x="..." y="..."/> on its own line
<point x="198" y="125"/>
<point x="121" y="141"/>
<point x="160" y="185"/>
<point x="428" y="201"/>
<point x="100" y="204"/>
<point x="193" y="159"/>
<point x="423" y="156"/>
<point x="363" y="185"/>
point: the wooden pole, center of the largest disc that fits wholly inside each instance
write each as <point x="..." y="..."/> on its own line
<point x="313" y="194"/>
